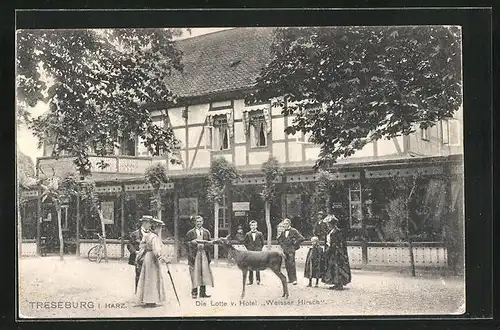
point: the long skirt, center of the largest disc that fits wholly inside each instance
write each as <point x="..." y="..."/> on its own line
<point x="151" y="288"/>
<point x="337" y="270"/>
<point x="201" y="274"/>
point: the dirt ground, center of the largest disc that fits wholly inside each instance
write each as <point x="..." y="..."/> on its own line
<point x="77" y="288"/>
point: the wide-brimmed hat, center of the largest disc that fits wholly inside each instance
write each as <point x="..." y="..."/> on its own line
<point x="321" y="212"/>
<point x="157" y="222"/>
<point x="330" y="218"/>
<point x="146" y="218"/>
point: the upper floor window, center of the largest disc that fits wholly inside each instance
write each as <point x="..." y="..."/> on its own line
<point x="424" y="132"/>
<point x="109" y="148"/>
<point x="450" y="132"/>
<point x="127" y="145"/>
<point x="258" y="131"/>
<point x="220" y="134"/>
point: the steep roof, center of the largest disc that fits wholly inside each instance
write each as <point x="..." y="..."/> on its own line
<point x="223" y="61"/>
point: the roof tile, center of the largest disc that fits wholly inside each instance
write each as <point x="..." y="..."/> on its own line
<point x="207" y="61"/>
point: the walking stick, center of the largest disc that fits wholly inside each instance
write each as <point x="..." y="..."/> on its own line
<point x="173" y="285"/>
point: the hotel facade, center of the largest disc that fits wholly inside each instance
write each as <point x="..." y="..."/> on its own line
<point x="211" y="121"/>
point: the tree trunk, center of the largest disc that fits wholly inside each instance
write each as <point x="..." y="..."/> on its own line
<point x="159" y="207"/>
<point x="103" y="228"/>
<point x="216" y="231"/>
<point x="410" y="246"/>
<point x="268" y="224"/>
<point x="59" y="227"/>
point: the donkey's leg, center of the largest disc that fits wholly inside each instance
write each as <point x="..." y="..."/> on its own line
<point x="245" y="273"/>
<point x="282" y="277"/>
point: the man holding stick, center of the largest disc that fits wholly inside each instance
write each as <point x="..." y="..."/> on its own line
<point x="198" y="241"/>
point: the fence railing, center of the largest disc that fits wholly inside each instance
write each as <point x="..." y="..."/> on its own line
<point x="395" y="254"/>
<point x="115" y="164"/>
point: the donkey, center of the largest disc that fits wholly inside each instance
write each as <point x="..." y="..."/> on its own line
<point x="255" y="260"/>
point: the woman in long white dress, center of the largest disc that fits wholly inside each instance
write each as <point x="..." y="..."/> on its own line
<point x="151" y="289"/>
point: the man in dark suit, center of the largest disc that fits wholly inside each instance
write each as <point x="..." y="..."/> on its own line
<point x="290" y="240"/>
<point x="133" y="243"/>
<point x="253" y="241"/>
<point x="198" y="241"/>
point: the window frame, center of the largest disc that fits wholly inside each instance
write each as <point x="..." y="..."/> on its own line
<point x="424" y="134"/>
<point x="455" y="122"/>
<point x="258" y="125"/>
<point x="216" y="135"/>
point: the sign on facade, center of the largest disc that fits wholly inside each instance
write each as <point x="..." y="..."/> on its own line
<point x="108" y="212"/>
<point x="241" y="206"/>
<point x="240" y="214"/>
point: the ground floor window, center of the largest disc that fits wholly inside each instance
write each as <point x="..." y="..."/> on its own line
<point x="28" y="212"/>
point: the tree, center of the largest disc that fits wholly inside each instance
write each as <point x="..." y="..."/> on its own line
<point x="220" y="177"/>
<point x="399" y="210"/>
<point x="348" y="86"/>
<point x="156" y="175"/>
<point x="97" y="84"/>
<point x="272" y="172"/>
<point x="25" y="180"/>
<point x="59" y="191"/>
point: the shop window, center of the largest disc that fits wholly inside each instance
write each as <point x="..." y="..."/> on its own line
<point x="355" y="206"/>
<point x="223" y="217"/>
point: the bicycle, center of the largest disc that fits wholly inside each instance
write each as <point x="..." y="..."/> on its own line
<point x="97" y="252"/>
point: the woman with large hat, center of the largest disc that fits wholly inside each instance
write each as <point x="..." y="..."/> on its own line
<point x="337" y="268"/>
<point x="151" y="288"/>
<point x="135" y="238"/>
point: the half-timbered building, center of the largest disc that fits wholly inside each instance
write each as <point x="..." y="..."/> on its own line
<point x="212" y="120"/>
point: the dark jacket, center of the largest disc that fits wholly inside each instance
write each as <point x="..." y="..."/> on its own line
<point x="239" y="237"/>
<point x="321" y="229"/>
<point x="193" y="247"/>
<point x="252" y="245"/>
<point x="134" y="240"/>
<point x="292" y="242"/>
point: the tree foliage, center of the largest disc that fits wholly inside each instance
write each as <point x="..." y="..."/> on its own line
<point x="348" y="86"/>
<point x="221" y="174"/>
<point x="272" y="171"/>
<point x="97" y="84"/>
<point x="156" y="175"/>
<point x="25" y="169"/>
